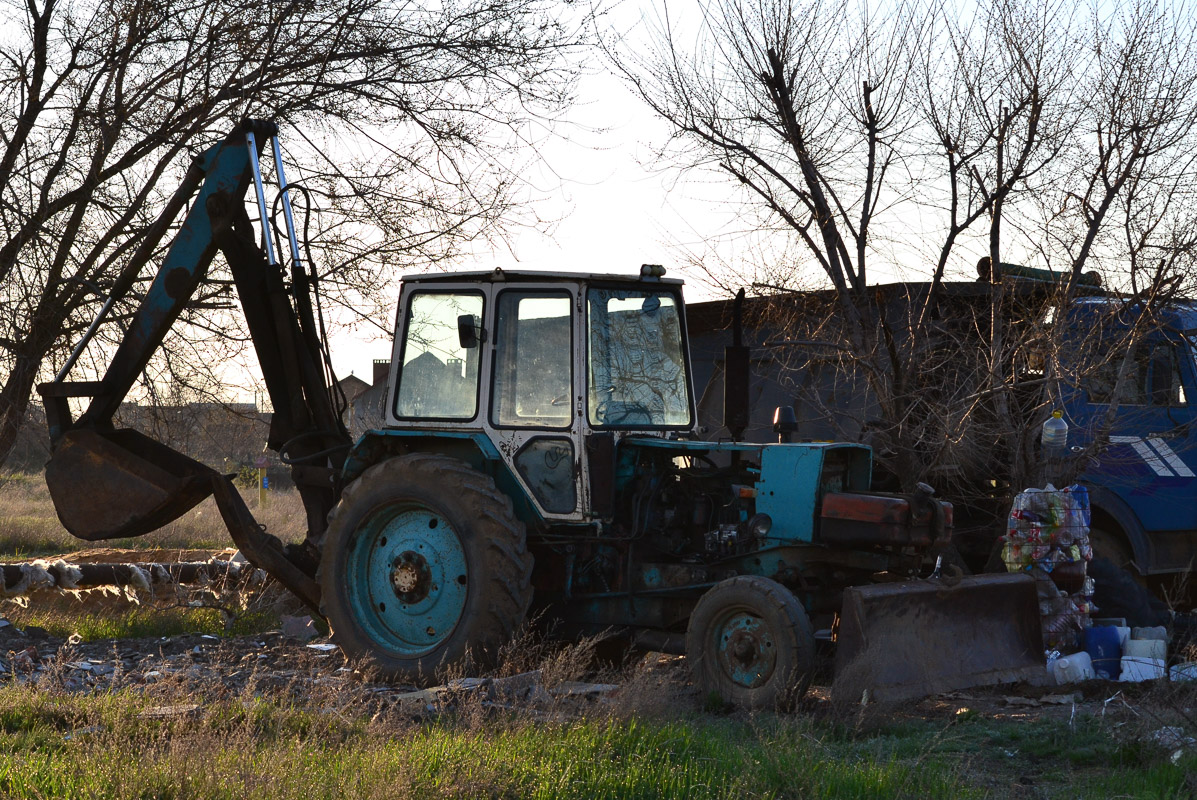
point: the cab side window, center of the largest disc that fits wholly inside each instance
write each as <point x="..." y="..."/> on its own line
<point x="1154" y="377"/>
<point x="438" y="378"/>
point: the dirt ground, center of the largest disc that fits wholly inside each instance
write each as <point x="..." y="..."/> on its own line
<point x="230" y="666"/>
<point x="275" y="661"/>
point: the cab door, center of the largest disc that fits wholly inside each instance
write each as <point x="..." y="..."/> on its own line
<point x="534" y="399"/>
<point x="1151" y="461"/>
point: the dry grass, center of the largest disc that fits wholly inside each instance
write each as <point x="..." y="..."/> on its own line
<point x="30" y="527"/>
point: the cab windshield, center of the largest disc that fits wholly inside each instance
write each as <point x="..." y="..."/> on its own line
<point x="637" y="363"/>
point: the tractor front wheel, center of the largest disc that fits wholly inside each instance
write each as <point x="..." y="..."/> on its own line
<point x="750" y="642"/>
<point x="424" y="566"/>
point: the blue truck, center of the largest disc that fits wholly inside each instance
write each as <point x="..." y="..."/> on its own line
<point x="1132" y="443"/>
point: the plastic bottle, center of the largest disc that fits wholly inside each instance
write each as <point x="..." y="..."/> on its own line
<point x="1055" y="430"/>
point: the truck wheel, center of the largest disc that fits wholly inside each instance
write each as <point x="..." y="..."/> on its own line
<point x="1107" y="544"/>
<point x="750" y="642"/>
<point x="424" y="565"/>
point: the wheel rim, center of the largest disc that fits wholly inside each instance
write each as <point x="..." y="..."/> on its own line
<point x="407" y="578"/>
<point x="744" y="648"/>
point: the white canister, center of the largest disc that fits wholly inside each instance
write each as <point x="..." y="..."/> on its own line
<point x="1072" y="668"/>
<point x="1154" y="649"/>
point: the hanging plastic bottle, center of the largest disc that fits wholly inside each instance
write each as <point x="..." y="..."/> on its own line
<point x="1055" y="430"/>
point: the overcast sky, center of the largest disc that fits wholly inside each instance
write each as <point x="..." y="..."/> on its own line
<point x="616" y="208"/>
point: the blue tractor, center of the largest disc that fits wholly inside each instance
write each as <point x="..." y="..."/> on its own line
<point x="536" y="459"/>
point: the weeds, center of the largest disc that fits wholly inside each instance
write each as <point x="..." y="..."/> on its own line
<point x="107" y="747"/>
<point x="29" y="526"/>
<point x="137" y="622"/>
<point x="202" y="734"/>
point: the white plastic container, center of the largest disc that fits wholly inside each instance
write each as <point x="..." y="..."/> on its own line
<point x="1156" y="649"/>
<point x="1124" y="635"/>
<point x="1136" y="669"/>
<point x="1072" y="668"/>
<point x="1184" y="672"/>
<point x="1158" y="632"/>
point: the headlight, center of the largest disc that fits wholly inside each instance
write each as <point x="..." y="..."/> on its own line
<point x="760" y="525"/>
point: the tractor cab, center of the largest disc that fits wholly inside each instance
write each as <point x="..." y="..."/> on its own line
<point x="546" y="370"/>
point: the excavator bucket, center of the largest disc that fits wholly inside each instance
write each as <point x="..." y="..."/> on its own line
<point x="109" y="484"/>
<point x="899" y="641"/>
<point x="116" y="484"/>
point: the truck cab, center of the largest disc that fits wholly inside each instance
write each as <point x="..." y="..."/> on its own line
<point x="1141" y="478"/>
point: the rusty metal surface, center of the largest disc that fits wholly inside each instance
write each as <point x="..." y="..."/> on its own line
<point x="904" y="640"/>
<point x="116" y="484"/>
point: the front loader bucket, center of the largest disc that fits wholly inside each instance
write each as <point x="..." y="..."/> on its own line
<point x="899" y="641"/>
<point x="114" y="484"/>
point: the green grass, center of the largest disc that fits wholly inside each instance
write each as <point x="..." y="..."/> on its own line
<point x="138" y="622"/>
<point x="55" y="745"/>
<point x="277" y="751"/>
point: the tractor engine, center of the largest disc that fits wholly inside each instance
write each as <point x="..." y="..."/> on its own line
<point x="694" y="510"/>
<point x="691" y="515"/>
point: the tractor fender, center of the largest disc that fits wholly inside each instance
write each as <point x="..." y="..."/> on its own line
<point x="1107" y="504"/>
<point x="471" y="447"/>
<point x="475" y="449"/>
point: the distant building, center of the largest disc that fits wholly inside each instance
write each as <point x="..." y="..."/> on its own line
<point x="366" y="409"/>
<point x="352" y="386"/>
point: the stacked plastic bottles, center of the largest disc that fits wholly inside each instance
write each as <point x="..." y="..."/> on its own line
<point x="1048" y="535"/>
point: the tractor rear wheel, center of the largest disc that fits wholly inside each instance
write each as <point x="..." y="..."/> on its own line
<point x="750" y="642"/>
<point x="424" y="565"/>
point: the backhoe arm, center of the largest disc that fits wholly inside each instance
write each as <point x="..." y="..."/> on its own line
<point x="109" y="483"/>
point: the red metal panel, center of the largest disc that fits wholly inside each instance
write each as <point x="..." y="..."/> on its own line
<point x="854" y="519"/>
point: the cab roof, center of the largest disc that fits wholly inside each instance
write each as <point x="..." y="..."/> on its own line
<point x="536" y="276"/>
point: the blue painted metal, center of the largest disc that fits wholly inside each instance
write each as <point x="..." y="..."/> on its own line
<point x="471" y="447"/>
<point x="788" y="490"/>
<point x="1145" y="480"/>
<point x="227" y="175"/>
<point x="408" y="579"/>
<point x="688" y="446"/>
<point x="744" y="648"/>
<point x="474" y="448"/>
<point x="1104" y="500"/>
<point x="791" y="484"/>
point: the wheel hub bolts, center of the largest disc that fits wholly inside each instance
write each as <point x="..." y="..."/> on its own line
<point x="411" y="578"/>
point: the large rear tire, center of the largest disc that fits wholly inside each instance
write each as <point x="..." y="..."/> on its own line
<point x="1112" y="545"/>
<point x="424" y="566"/>
<point x="750" y="642"/>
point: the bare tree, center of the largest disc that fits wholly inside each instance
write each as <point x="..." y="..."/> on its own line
<point x="411" y="117"/>
<point x="923" y="140"/>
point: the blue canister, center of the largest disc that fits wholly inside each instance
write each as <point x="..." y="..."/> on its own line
<point x="1104" y="648"/>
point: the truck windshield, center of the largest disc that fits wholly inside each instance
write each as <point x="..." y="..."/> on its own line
<point x="637" y="375"/>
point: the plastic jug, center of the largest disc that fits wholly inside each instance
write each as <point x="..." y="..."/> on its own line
<point x="1072" y="668"/>
<point x="1103" y="647"/>
<point x="1055" y="431"/>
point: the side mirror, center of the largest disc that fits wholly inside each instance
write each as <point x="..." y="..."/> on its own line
<point x="469" y="331"/>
